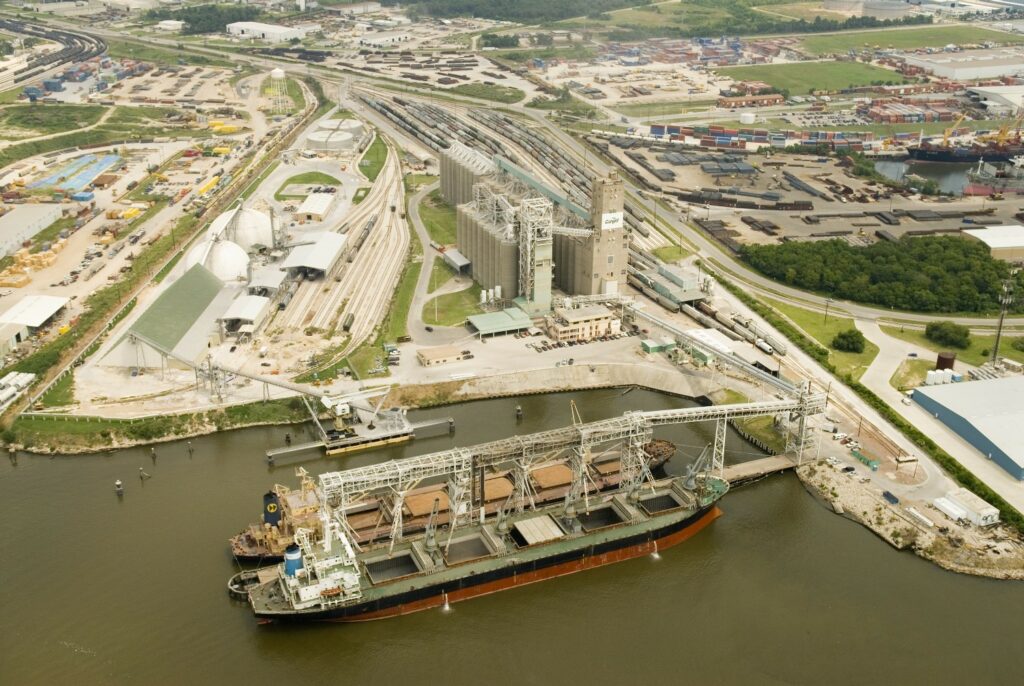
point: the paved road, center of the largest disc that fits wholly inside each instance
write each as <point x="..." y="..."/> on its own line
<point x="441" y="335"/>
<point x="893" y="352"/>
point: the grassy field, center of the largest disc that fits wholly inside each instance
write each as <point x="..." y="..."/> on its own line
<point x="413" y="182"/>
<point x="911" y="374"/>
<point x="360" y="194"/>
<point x="658" y="109"/>
<point x="373" y="159"/>
<point x="292" y="90"/>
<point x="977" y="353"/>
<point x="313" y="178"/>
<point x="761" y="428"/>
<point x="815" y="326"/>
<point x="453" y="308"/>
<point x="394" y="326"/>
<point x="440" y="274"/>
<point x="677" y="15"/>
<point x="804" y="77"/>
<point x="670" y="253"/>
<point x="10" y="96"/>
<point x="161" y="55"/>
<point x="110" y="131"/>
<point x="803" y="10"/>
<point x="26" y="121"/>
<point x="61" y="393"/>
<point x="438" y="218"/>
<point x="484" y="91"/>
<point x="572" y="52"/>
<point x="908" y="39"/>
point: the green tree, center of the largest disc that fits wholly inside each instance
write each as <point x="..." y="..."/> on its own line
<point x="948" y="333"/>
<point x="849" y="341"/>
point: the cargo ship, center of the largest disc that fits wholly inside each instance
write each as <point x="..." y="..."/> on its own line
<point x="999" y="178"/>
<point x="336" y="580"/>
<point x="965" y="154"/>
<point x="286" y="510"/>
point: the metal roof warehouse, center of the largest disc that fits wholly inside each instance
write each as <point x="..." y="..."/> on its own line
<point x="319" y="255"/>
<point x="987" y="414"/>
<point x="506" y="321"/>
<point x="33" y="310"/>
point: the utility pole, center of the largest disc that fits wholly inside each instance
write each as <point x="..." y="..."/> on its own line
<point x="1005" y="299"/>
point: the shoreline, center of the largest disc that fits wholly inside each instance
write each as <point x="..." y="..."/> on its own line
<point x="857" y="503"/>
<point x="864" y="507"/>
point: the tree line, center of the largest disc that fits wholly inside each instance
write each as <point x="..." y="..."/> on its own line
<point x="520" y="11"/>
<point x="207" y="18"/>
<point x="743" y="20"/>
<point x="926" y="274"/>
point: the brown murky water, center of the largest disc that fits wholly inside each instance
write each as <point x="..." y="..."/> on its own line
<point x="96" y="590"/>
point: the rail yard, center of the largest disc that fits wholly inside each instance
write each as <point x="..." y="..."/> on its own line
<point x="360" y="226"/>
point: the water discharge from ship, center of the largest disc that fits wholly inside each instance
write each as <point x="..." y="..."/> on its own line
<point x="655" y="555"/>
<point x="446" y="608"/>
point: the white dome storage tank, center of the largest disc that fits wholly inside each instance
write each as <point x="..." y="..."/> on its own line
<point x="747" y="118"/>
<point x="249" y="228"/>
<point x="226" y="260"/>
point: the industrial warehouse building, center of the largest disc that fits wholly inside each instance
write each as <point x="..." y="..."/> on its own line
<point x="315" y="207"/>
<point x="987" y="414"/>
<point x="177" y="328"/>
<point x="245" y="315"/>
<point x="581" y="323"/>
<point x="33" y="311"/>
<point x="318" y="257"/>
<point x="506" y="321"/>
<point x="23" y="222"/>
<point x="442" y="354"/>
<point x="1005" y="242"/>
<point x="269" y="33"/>
<point x="967" y="65"/>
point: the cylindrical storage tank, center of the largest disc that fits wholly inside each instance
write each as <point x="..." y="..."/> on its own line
<point x="330" y="140"/>
<point x="271" y="509"/>
<point x="929" y="378"/>
<point x="483" y="297"/>
<point x="947" y="376"/>
<point x="747" y="118"/>
<point x="497" y="292"/>
<point x="490" y="295"/>
<point x="292" y="560"/>
<point x="945" y="361"/>
<point x="353" y="126"/>
<point x="329" y="124"/>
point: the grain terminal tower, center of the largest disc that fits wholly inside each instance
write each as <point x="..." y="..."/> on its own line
<point x="597" y="265"/>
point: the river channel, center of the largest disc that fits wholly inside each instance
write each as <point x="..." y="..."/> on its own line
<point x="951" y="178"/>
<point x="97" y="590"/>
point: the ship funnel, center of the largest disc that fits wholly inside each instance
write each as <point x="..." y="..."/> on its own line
<point x="292" y="560"/>
<point x="271" y="508"/>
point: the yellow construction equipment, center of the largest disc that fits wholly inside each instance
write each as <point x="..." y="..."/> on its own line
<point x="949" y="132"/>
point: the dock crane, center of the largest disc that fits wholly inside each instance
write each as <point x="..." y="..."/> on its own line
<point x="949" y="132"/>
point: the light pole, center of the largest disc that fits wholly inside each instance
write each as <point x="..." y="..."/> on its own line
<point x="828" y="301"/>
<point x="1005" y="298"/>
